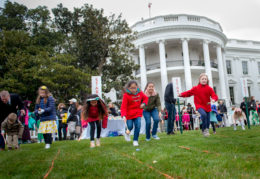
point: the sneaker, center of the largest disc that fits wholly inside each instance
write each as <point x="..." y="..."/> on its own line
<point x="47" y="146"/>
<point x="135" y="143"/>
<point x="170" y="133"/>
<point x="147" y="139"/>
<point x="207" y="132"/>
<point x="127" y="137"/>
<point x="98" y="142"/>
<point x="214" y="132"/>
<point x="156" y="137"/>
<point x="92" y="144"/>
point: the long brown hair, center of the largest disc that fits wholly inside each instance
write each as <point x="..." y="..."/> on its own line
<point x="102" y="109"/>
<point x="61" y="104"/>
<point x="47" y="94"/>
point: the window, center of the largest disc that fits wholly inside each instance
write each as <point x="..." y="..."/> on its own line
<point x="232" y="96"/>
<point x="258" y="67"/>
<point x="215" y="89"/>
<point x="228" y="62"/>
<point x="245" y="67"/>
<point x="249" y="91"/>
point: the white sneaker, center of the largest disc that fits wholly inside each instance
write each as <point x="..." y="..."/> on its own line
<point x="127" y="137"/>
<point x="207" y="132"/>
<point x="92" y="144"/>
<point x="156" y="137"/>
<point x="47" y="146"/>
<point x="135" y="143"/>
<point x="98" y="142"/>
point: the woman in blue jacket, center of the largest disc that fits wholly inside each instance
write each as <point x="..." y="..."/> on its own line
<point x="45" y="110"/>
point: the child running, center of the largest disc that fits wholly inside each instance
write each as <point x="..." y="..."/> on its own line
<point x="202" y="93"/>
<point x="213" y="117"/>
<point x="93" y="112"/>
<point x="134" y="100"/>
<point x="153" y="109"/>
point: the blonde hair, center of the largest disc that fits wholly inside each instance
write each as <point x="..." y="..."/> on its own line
<point x="238" y="113"/>
<point x="12" y="118"/>
<point x="204" y="74"/>
<point x="47" y="94"/>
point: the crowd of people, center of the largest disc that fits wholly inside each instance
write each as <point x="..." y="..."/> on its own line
<point x="18" y="122"/>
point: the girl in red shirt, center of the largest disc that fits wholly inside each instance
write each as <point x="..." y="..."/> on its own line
<point x="203" y="95"/>
<point x="93" y="112"/>
<point x="134" y="100"/>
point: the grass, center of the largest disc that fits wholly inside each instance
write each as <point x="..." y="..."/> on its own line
<point x="227" y="154"/>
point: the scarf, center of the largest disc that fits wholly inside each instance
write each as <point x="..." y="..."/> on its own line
<point x="148" y="94"/>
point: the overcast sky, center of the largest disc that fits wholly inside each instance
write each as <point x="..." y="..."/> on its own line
<point x="240" y="19"/>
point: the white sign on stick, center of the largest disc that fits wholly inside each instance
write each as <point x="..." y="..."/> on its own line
<point x="96" y="85"/>
<point x="176" y="86"/>
<point x="243" y="82"/>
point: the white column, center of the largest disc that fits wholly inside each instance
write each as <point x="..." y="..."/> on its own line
<point x="221" y="73"/>
<point x="207" y="61"/>
<point x="238" y="74"/>
<point x="226" y="79"/>
<point x="142" y="67"/>
<point x="186" y="59"/>
<point x="164" y="77"/>
<point x="253" y="73"/>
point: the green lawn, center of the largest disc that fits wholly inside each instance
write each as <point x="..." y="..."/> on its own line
<point x="227" y="154"/>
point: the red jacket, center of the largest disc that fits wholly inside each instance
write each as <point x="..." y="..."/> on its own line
<point x="202" y="94"/>
<point x="93" y="116"/>
<point x="130" y="107"/>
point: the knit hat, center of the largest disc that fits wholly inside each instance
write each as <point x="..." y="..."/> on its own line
<point x="12" y="118"/>
<point x="214" y="108"/>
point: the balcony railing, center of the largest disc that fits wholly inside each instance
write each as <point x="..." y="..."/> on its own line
<point x="177" y="63"/>
<point x="197" y="63"/>
<point x="175" y="20"/>
<point x="174" y="63"/>
<point x="153" y="66"/>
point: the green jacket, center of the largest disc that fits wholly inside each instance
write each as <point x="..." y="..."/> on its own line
<point x="153" y="102"/>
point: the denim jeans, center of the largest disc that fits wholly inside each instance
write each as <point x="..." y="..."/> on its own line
<point x="147" y="116"/>
<point x="2" y="142"/>
<point x="205" y="117"/>
<point x="171" y="116"/>
<point x="137" y="123"/>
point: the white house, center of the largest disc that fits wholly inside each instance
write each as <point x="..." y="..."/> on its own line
<point x="185" y="46"/>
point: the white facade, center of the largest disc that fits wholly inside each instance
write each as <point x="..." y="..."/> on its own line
<point x="185" y="46"/>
